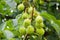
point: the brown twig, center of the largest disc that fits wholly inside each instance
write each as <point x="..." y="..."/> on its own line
<point x="32" y="14"/>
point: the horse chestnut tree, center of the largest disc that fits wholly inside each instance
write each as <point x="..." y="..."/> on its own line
<point x="29" y="20"/>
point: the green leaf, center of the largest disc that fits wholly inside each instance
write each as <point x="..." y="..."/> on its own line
<point x="12" y="4"/>
<point x="2" y="26"/>
<point x="47" y="16"/>
<point x="52" y="21"/>
<point x="56" y="27"/>
<point x="15" y="23"/>
<point x="8" y="34"/>
<point x="9" y="25"/>
<point x="19" y="19"/>
<point x="1" y="6"/>
<point x="58" y="22"/>
<point x="52" y="37"/>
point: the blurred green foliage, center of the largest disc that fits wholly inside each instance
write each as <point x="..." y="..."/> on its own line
<point x="10" y="19"/>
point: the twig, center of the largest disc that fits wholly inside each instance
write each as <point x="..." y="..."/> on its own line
<point x="26" y="37"/>
<point x="32" y="15"/>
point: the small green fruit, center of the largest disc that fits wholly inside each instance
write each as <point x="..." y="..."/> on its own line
<point x="41" y="2"/>
<point x="39" y="19"/>
<point x="21" y="7"/>
<point x="30" y="10"/>
<point x="40" y="31"/>
<point x="30" y="30"/>
<point x="26" y="22"/>
<point x="39" y="25"/>
<point x="25" y="15"/>
<point x="22" y="30"/>
<point x="35" y="1"/>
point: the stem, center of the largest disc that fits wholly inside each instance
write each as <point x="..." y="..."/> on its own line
<point x="32" y="11"/>
<point x="32" y="14"/>
<point x="26" y="10"/>
<point x="40" y="37"/>
<point x="26" y="37"/>
<point x="26" y="3"/>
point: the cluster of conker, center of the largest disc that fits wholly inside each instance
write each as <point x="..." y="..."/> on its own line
<point x="30" y="27"/>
